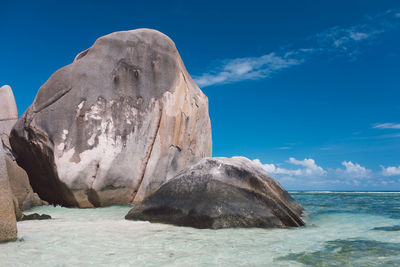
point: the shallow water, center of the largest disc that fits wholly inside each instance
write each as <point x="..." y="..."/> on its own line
<point x="343" y="229"/>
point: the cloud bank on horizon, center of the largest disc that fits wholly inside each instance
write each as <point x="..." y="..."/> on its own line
<point x="309" y="174"/>
<point x="337" y="40"/>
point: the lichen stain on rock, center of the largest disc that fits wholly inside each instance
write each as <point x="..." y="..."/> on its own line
<point x="108" y="126"/>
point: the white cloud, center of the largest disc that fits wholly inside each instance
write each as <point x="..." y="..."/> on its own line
<point x="390" y="171"/>
<point x="358" y="36"/>
<point x="353" y="170"/>
<point x="342" y="41"/>
<point x="251" y="68"/>
<point x="387" y="125"/>
<point x="310" y="168"/>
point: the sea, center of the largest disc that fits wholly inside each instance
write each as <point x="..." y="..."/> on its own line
<point x="343" y="229"/>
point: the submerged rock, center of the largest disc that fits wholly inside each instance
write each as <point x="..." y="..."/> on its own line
<point x="387" y="228"/>
<point x="18" y="179"/>
<point x="115" y="124"/>
<point x="35" y="216"/>
<point x="221" y="193"/>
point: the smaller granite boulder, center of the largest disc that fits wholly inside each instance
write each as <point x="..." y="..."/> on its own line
<point x="18" y="179"/>
<point x="221" y="193"/>
<point x="8" y="223"/>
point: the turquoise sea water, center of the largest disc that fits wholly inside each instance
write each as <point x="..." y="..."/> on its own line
<point x="343" y="229"/>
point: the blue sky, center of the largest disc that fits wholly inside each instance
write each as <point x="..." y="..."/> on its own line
<point x="309" y="89"/>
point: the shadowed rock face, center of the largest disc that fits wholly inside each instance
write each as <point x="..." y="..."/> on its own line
<point x="221" y="193"/>
<point x="115" y="124"/>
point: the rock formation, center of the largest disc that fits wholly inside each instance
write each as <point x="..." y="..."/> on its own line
<point x="24" y="198"/>
<point x="115" y="124"/>
<point x="8" y="223"/>
<point x="221" y="193"/>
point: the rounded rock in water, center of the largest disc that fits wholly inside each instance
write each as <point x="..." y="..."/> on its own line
<point x="221" y="193"/>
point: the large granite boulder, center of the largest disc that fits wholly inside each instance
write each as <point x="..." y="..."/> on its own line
<point x="115" y="124"/>
<point x="8" y="223"/>
<point x="24" y="197"/>
<point x="221" y="193"/>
